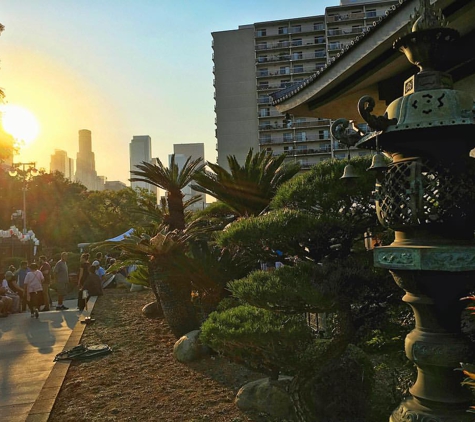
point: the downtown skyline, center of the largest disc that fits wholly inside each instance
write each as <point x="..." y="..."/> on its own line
<point x="121" y="70"/>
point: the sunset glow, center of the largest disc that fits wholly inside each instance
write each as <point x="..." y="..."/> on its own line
<point x="20" y="123"/>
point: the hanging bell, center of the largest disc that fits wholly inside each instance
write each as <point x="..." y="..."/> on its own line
<point x="378" y="163"/>
<point x="349" y="172"/>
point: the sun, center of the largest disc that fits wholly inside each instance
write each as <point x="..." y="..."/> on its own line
<point x="19" y="122"/>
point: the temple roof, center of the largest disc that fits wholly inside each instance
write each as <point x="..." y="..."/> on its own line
<point x="371" y="66"/>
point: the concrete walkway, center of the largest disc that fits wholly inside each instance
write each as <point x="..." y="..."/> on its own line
<point x="29" y="379"/>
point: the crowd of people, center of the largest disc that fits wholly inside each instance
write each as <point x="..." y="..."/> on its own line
<point x="29" y="285"/>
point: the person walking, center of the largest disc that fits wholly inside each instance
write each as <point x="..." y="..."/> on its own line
<point x="61" y="274"/>
<point x="20" y="275"/>
<point x="45" y="269"/>
<point x="34" y="288"/>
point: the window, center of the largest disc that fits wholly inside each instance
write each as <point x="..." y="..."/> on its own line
<point x="333" y="31"/>
<point x="319" y="40"/>
<point x="297" y="41"/>
<point x="284" y="70"/>
<point x="263" y="72"/>
<point x="283" y="30"/>
<point x="298" y="68"/>
<point x="300" y="120"/>
<point x="265" y="125"/>
<point x="266" y="139"/>
<point x="284" y="83"/>
<point x="296" y="29"/>
<point x="318" y="26"/>
<point x="319" y="53"/>
<point x="263" y="99"/>
<point x="262" y="59"/>
<point x="297" y="55"/>
<point x="261" y="32"/>
<point x="323" y="134"/>
<point x="261" y="46"/>
<point x="371" y="13"/>
<point x="301" y="136"/>
<point x="334" y="46"/>
<point x="283" y="43"/>
<point x="263" y="85"/>
<point x="288" y="137"/>
<point x="264" y="112"/>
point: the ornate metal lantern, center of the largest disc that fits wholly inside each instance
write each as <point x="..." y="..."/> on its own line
<point x="427" y="196"/>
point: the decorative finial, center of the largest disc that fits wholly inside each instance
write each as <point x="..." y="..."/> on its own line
<point x="427" y="17"/>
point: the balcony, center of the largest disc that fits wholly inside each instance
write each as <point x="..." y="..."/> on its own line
<point x="345" y="32"/>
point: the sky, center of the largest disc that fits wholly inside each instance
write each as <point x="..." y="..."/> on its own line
<point x="121" y="68"/>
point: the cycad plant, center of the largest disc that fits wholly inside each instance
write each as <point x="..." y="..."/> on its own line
<point x="172" y="180"/>
<point x="246" y="189"/>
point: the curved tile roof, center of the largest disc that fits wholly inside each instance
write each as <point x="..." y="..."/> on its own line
<point x="286" y="93"/>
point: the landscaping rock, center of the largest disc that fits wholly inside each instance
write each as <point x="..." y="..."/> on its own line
<point x="189" y="348"/>
<point x="136" y="288"/>
<point x="267" y="396"/>
<point x="152" y="310"/>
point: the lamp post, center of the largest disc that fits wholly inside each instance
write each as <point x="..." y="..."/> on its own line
<point x="25" y="171"/>
<point x="426" y="196"/>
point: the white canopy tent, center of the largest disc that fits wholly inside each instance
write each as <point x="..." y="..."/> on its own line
<point x="122" y="236"/>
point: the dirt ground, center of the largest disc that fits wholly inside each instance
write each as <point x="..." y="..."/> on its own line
<point x="140" y="380"/>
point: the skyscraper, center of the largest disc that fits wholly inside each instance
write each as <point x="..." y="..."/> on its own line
<point x="62" y="163"/>
<point x="182" y="153"/>
<point x="85" y="163"/>
<point x="140" y="150"/>
<point x="258" y="59"/>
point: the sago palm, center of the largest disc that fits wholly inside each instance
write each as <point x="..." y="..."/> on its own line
<point x="246" y="189"/>
<point x="172" y="180"/>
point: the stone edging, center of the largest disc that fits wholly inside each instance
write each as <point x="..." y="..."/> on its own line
<point x="43" y="405"/>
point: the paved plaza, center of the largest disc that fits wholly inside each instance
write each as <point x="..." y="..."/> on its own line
<point x="29" y="378"/>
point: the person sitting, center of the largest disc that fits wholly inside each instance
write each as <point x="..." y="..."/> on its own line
<point x="6" y="304"/>
<point x="8" y="285"/>
<point x="101" y="272"/>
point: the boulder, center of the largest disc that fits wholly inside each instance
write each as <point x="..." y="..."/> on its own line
<point x="152" y="310"/>
<point x="136" y="288"/>
<point x="189" y="348"/>
<point x="267" y="396"/>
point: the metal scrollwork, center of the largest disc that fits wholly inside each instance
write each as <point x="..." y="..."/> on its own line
<point x="346" y="132"/>
<point x="365" y="107"/>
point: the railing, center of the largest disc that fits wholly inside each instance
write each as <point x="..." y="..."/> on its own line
<point x="351" y="16"/>
<point x="350" y="31"/>
<point x="286" y="44"/>
<point x="294" y="125"/>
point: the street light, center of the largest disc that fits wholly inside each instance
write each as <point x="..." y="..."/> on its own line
<point x="26" y="173"/>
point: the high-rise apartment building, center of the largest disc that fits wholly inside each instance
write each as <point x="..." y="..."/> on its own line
<point x="62" y="163"/>
<point x="182" y="153"/>
<point x="256" y="60"/>
<point x="140" y="150"/>
<point x="85" y="163"/>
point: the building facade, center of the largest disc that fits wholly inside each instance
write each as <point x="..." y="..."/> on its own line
<point x="256" y="60"/>
<point x="86" y="173"/>
<point x="62" y="163"/>
<point x="140" y="150"/>
<point x="182" y="153"/>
